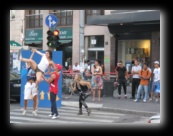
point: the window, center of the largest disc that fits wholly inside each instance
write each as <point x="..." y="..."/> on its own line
<point x="12" y="14"/>
<point x="134" y="49"/>
<point x="96" y="41"/>
<point x="65" y="17"/>
<point x="34" y="19"/>
<point x="93" y="13"/>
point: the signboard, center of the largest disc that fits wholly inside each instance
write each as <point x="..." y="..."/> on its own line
<point x="43" y="95"/>
<point x="33" y="36"/>
<point x="51" y="20"/>
<point x="65" y="34"/>
<point x="106" y="59"/>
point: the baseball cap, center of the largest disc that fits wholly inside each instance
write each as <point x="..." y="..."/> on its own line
<point x="58" y="66"/>
<point x="156" y="62"/>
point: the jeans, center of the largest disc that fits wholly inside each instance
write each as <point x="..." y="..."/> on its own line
<point x="135" y="84"/>
<point x="53" y="104"/>
<point x="140" y="89"/>
<point x="122" y="82"/>
<point x="82" y="98"/>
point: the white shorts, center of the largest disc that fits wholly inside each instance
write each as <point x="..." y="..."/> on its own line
<point x="29" y="90"/>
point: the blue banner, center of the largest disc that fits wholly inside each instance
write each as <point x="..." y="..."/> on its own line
<point x="43" y="95"/>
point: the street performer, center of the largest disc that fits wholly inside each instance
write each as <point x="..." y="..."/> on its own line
<point x="84" y="89"/>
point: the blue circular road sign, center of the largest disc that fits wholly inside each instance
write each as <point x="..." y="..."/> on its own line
<point x="51" y="20"/>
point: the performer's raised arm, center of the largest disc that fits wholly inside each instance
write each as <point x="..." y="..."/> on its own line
<point x="32" y="55"/>
<point x="38" y="52"/>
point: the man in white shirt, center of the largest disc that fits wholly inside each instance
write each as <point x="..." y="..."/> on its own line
<point x="76" y="67"/>
<point x="156" y="81"/>
<point x="135" y="78"/>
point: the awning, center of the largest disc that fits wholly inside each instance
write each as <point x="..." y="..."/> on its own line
<point x="33" y="42"/>
<point x="13" y="43"/>
<point x="144" y="16"/>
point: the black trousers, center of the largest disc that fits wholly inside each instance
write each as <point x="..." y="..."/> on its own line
<point x="53" y="104"/>
<point x="121" y="82"/>
<point x="82" y="98"/>
<point x="135" y="84"/>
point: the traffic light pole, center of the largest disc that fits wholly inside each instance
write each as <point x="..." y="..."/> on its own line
<point x="82" y="14"/>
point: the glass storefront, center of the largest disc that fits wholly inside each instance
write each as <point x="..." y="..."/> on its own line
<point x="96" y="48"/>
<point x="133" y="49"/>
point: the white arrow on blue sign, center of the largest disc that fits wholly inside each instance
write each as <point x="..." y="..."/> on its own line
<point x="51" y="20"/>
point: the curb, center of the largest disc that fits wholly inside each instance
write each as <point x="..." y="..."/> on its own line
<point x="125" y="111"/>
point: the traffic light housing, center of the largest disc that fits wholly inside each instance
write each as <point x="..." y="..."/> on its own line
<point x="56" y="37"/>
<point x="49" y="38"/>
<point x="53" y="38"/>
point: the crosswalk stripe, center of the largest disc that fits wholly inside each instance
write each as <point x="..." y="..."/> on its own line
<point x="77" y="118"/>
<point x="72" y="111"/>
<point x="67" y="115"/>
<point x="46" y="113"/>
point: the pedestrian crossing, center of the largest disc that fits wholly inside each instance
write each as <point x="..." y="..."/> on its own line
<point x="67" y="115"/>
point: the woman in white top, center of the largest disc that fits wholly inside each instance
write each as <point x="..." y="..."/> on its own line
<point x="46" y="61"/>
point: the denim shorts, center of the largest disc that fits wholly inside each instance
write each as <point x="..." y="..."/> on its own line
<point x="155" y="85"/>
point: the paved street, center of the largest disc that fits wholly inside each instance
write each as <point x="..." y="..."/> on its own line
<point x="69" y="115"/>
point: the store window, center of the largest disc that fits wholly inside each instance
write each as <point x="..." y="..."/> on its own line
<point x="93" y="13"/>
<point x="34" y="19"/>
<point x="96" y="41"/>
<point x="128" y="50"/>
<point x="96" y="48"/>
<point x="65" y="17"/>
<point x="12" y="14"/>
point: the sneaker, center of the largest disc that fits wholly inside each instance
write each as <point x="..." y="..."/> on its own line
<point x="136" y="100"/>
<point x="50" y="115"/>
<point x="34" y="113"/>
<point x="125" y="96"/>
<point x="24" y="112"/>
<point x="144" y="100"/>
<point x="119" y="96"/>
<point x="150" y="100"/>
<point x="54" y="116"/>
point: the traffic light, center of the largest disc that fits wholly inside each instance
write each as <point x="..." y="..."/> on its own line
<point x="53" y="38"/>
<point x="49" y="38"/>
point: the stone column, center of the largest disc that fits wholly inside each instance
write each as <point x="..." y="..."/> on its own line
<point x="45" y="29"/>
<point x="76" y="40"/>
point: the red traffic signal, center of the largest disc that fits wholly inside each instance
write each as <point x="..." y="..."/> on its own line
<point x="56" y="33"/>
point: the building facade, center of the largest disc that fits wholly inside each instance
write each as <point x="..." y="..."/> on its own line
<point x="92" y="34"/>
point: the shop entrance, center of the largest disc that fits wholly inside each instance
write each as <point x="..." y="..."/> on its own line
<point x="95" y="54"/>
<point x="128" y="50"/>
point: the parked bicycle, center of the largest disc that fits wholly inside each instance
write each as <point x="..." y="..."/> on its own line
<point x="68" y="80"/>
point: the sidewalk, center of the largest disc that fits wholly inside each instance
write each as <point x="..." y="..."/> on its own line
<point x="122" y="105"/>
